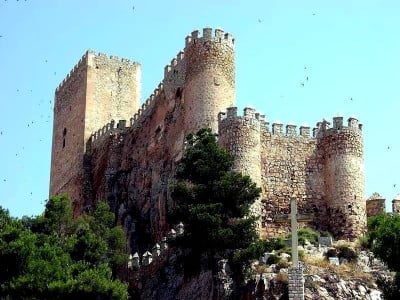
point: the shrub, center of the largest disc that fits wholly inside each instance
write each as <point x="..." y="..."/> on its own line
<point x="390" y="288"/>
<point x="363" y="242"/>
<point x="282" y="277"/>
<point x="282" y="264"/>
<point x="332" y="252"/>
<point x="273" y="259"/>
<point x="302" y="255"/>
<point x="348" y="253"/>
<point x="307" y="234"/>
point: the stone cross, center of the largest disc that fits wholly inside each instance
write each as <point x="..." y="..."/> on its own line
<point x="295" y="239"/>
<point x="295" y="272"/>
<point x="294" y="218"/>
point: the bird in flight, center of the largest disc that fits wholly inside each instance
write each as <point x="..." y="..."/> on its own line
<point x="302" y="84"/>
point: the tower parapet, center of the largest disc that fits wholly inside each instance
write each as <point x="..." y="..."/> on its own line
<point x="342" y="150"/>
<point x="209" y="79"/>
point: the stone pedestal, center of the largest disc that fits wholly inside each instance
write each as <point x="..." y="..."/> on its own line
<point x="296" y="283"/>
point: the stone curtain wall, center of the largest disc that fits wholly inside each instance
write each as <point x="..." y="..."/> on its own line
<point x="323" y="172"/>
<point x="132" y="152"/>
<point x="290" y="166"/>
<point x="132" y="168"/>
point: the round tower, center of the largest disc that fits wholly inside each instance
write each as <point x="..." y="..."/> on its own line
<point x="342" y="152"/>
<point x="209" y="78"/>
<point x="241" y="136"/>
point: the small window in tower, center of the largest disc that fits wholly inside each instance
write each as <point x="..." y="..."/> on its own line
<point x="178" y="93"/>
<point x="64" y="135"/>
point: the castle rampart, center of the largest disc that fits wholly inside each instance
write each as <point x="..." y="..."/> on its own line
<point x="132" y="150"/>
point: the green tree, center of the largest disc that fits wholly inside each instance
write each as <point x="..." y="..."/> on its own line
<point x="212" y="201"/>
<point x="54" y="256"/>
<point x="383" y="238"/>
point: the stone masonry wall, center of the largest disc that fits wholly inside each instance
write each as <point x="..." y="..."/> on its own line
<point x="296" y="283"/>
<point x="113" y="90"/>
<point x="342" y="148"/>
<point x="68" y="133"/>
<point x="132" y="167"/>
<point x="97" y="90"/>
<point x="131" y="156"/>
<point x="210" y="78"/>
<point x="328" y="188"/>
<point x="291" y="166"/>
<point x="374" y="207"/>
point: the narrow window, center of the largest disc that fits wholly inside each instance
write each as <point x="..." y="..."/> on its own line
<point x="178" y="93"/>
<point x="64" y="135"/>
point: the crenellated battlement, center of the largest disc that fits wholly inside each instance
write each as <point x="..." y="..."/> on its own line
<point x="110" y="58"/>
<point x="250" y="117"/>
<point x="84" y="62"/>
<point x="133" y="159"/>
<point x="323" y="127"/>
<point x="218" y="36"/>
<point x="176" y="65"/>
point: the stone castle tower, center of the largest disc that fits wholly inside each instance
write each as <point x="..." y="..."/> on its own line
<point x="98" y="89"/>
<point x="107" y="147"/>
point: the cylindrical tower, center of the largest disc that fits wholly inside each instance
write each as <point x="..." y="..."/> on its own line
<point x="342" y="150"/>
<point x="209" y="79"/>
<point x="241" y="136"/>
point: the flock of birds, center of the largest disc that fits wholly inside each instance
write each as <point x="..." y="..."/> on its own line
<point x="30" y="124"/>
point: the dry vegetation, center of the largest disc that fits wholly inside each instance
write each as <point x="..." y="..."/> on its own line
<point x="344" y="270"/>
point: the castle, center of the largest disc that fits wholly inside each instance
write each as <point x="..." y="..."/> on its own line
<point x="106" y="146"/>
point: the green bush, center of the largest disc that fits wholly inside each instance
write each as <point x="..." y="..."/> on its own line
<point x="273" y="259"/>
<point x="54" y="256"/>
<point x="363" y="242"/>
<point x="306" y="234"/>
<point x="384" y="239"/>
<point x="346" y="252"/>
<point x="301" y="255"/>
<point x="390" y="288"/>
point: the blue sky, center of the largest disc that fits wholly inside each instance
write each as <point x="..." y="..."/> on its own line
<point x="348" y="49"/>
